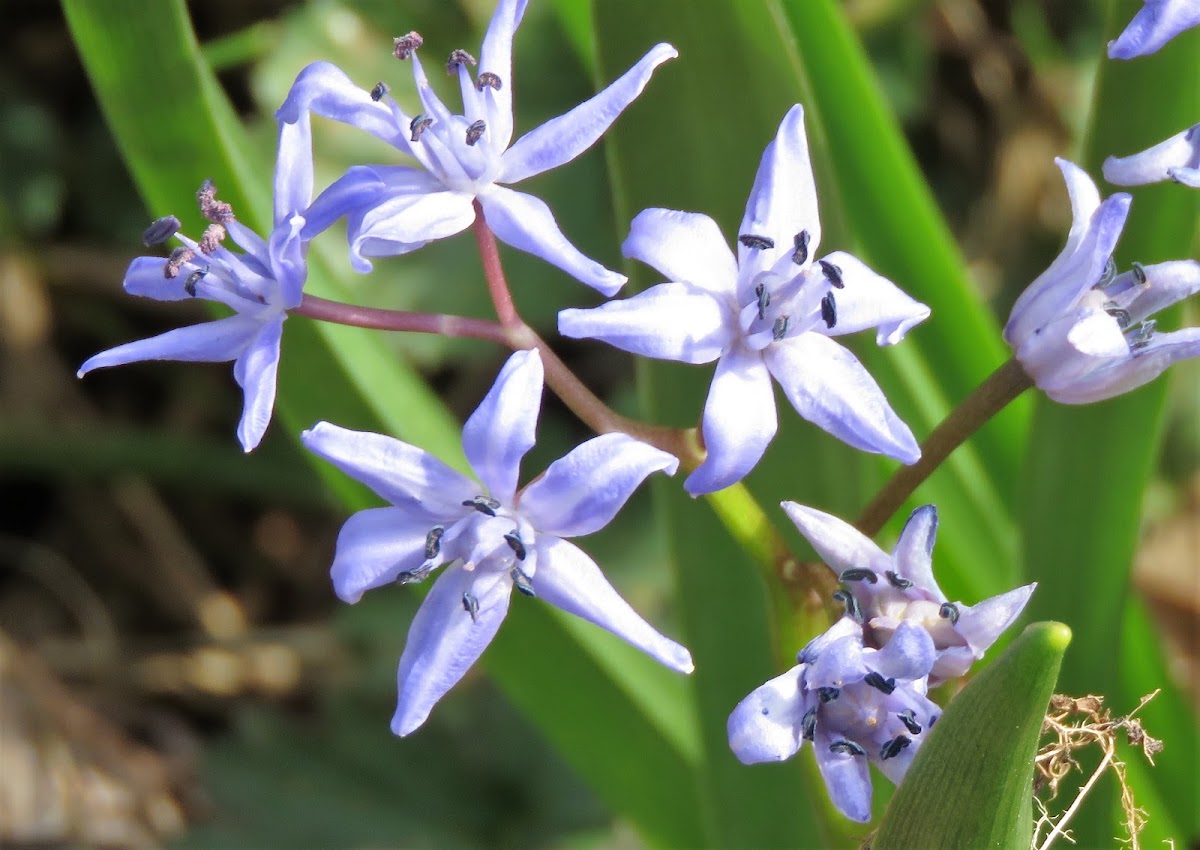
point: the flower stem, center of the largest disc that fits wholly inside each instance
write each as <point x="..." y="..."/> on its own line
<point x="988" y="399"/>
<point x="493" y="272"/>
<point x="397" y="320"/>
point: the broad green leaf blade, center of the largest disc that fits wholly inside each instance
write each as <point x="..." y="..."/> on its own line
<point x="1088" y="466"/>
<point x="971" y="784"/>
<point x="179" y="130"/>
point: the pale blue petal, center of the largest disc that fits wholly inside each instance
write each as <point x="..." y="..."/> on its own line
<point x="1154" y="25"/>
<point x="838" y="544"/>
<point x="839" y="663"/>
<point x="445" y="640"/>
<point x="495" y="57"/>
<point x="210" y="342"/>
<point x="913" y="553"/>
<point x="582" y="491"/>
<point x="846" y="776"/>
<point x="768" y="724"/>
<point x="871" y="301"/>
<point x="406" y="476"/>
<point x="908" y="655"/>
<point x="830" y="388"/>
<point x="293" y="167"/>
<point x="782" y="202"/>
<point x="684" y="247"/>
<point x="386" y="230"/>
<point x="256" y="256"/>
<point x="980" y="625"/>
<point x="145" y="278"/>
<point x="503" y="428"/>
<point x="568" y="579"/>
<point x="671" y="321"/>
<point x="1185" y="176"/>
<point x="739" y="421"/>
<point x="374" y="547"/>
<point x="1155" y="164"/>
<point x="1066" y="350"/>
<point x="1166" y="284"/>
<point x="561" y="139"/>
<point x="325" y="89"/>
<point x="1128" y="373"/>
<point x="255" y="371"/>
<point x="364" y="187"/>
<point x="288" y="264"/>
<point x="527" y="224"/>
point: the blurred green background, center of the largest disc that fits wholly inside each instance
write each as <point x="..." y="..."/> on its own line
<point x="174" y="668"/>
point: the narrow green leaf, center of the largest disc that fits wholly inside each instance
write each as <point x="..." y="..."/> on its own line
<point x="971" y="783"/>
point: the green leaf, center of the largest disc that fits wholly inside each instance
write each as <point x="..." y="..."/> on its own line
<point x="175" y="127"/>
<point x="971" y="783"/>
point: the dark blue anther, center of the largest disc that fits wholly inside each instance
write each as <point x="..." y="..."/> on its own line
<point x="808" y="724"/>
<point x="1124" y="319"/>
<point x="378" y="91"/>
<point x="522" y="581"/>
<point x="418" y="125"/>
<point x="828" y="694"/>
<point x="949" y="611"/>
<point x="475" y="132"/>
<point x="829" y="310"/>
<point x="413" y="576"/>
<point x="898" y="582"/>
<point x="433" y="542"/>
<point x="832" y="273"/>
<point x="782" y="325"/>
<point x="750" y="240"/>
<point x="470" y="604"/>
<point x="161" y="230"/>
<point x="859" y="574"/>
<point x="909" y="719"/>
<point x="513" y="539"/>
<point x="848" y="748"/>
<point x="764" y="299"/>
<point x="893" y="747"/>
<point x="800" y="242"/>
<point x="189" y="285"/>
<point x="483" y="504"/>
<point x="876" y="680"/>
<point x="1139" y="272"/>
<point x="851" y="604"/>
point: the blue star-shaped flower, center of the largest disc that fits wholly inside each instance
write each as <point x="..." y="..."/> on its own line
<point x="486" y="537"/>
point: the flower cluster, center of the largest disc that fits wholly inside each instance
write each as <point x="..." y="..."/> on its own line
<point x="767" y="311"/>
<point x="858" y="691"/>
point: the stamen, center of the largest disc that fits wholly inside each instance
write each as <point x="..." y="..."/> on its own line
<point x="433" y="542"/>
<point x="160" y="231"/>
<point x="475" y="132"/>
<point x="832" y="273"/>
<point x="189" y="285"/>
<point x="898" y="582"/>
<point x="379" y="90"/>
<point x="764" y="299"/>
<point x="404" y="46"/>
<point x="458" y="57"/>
<point x="175" y="262"/>
<point x="893" y="747"/>
<point x="949" y="611"/>
<point x="782" y="325"/>
<point x="1139" y="272"/>
<point x="828" y="694"/>
<point x="848" y="748"/>
<point x="1124" y="320"/>
<point x="858" y="574"/>
<point x="522" y="581"/>
<point x="808" y="724"/>
<point x="488" y="80"/>
<point x="1140" y="336"/>
<point x="848" y="600"/>
<point x="909" y="719"/>
<point x="513" y="539"/>
<point x="756" y="242"/>
<point x="829" y="310"/>
<point x="470" y="604"/>
<point x="218" y="212"/>
<point x="212" y="237"/>
<point x="800" y="242"/>
<point x="933" y="719"/>
<point x="418" y="125"/>
<point x="483" y="504"/>
<point x="876" y="681"/>
<point x="413" y="576"/>
<point x="1108" y="275"/>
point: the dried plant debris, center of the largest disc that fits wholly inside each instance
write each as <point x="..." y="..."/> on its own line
<point x="1071" y="724"/>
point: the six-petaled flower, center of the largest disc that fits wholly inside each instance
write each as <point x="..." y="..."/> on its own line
<point x="771" y="311"/>
<point x="487" y="537"/>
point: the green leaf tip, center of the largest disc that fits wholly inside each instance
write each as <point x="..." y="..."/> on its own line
<point x="971" y="783"/>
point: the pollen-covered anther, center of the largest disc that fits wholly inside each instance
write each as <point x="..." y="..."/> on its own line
<point x="879" y="683"/>
<point x="218" y="212"/>
<point x="418" y="125"/>
<point x="160" y="231"/>
<point x="858" y="574"/>
<point x="413" y="576"/>
<point x="892" y="748"/>
<point x="513" y="539"/>
<point x="488" y="80"/>
<point x="1124" y="319"/>
<point x="833" y="273"/>
<point x="379" y="90"/>
<point x="470" y="604"/>
<point x="483" y="504"/>
<point x="1139" y="272"/>
<point x="828" y="694"/>
<point x="404" y="46"/>
<point x="751" y="240"/>
<point x="782" y="325"/>
<point x="764" y="300"/>
<point x="829" y="310"/>
<point x="1140" y="336"/>
<point x="949" y="611"/>
<point x="848" y="748"/>
<point x="212" y="237"/>
<point x="175" y="262"/>
<point x="808" y="724"/>
<point x="800" y="247"/>
<point x="475" y="132"/>
<point x="433" y="542"/>
<point x="898" y="582"/>
<point x="457" y="58"/>
<point x="522" y="581"/>
<point x="189" y="285"/>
